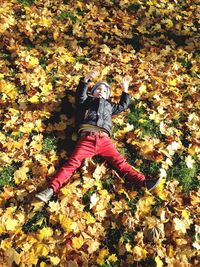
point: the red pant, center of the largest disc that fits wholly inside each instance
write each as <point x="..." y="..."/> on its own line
<point x="89" y="146"/>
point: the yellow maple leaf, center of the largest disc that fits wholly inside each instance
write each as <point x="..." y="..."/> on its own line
<point x="93" y="246"/>
<point x="54" y="206"/>
<point x="139" y="253"/>
<point x="181" y="225"/>
<point x="8" y="89"/>
<point x="32" y="62"/>
<point x="158" y="261"/>
<point x="170" y="251"/>
<point x="11" y="145"/>
<point x="44" y="21"/>
<point x="13" y="256"/>
<point x="168" y="23"/>
<point x="181" y="241"/>
<point x="195" y="198"/>
<point x="102" y="254"/>
<point x="119" y="206"/>
<point x="27" y="127"/>
<point x="128" y="247"/>
<point x="2" y="137"/>
<point x="6" y="244"/>
<point x="141" y="29"/>
<point x="20" y="175"/>
<point x="105" y="49"/>
<point x="89" y="218"/>
<point x="45" y="233"/>
<point x="186" y="214"/>
<point x="113" y="258"/>
<point x="65" y="190"/>
<point x="172" y="82"/>
<point x="41" y="249"/>
<point x="56" y="34"/>
<point x="30" y="258"/>
<point x="104" y="72"/>
<point x="77" y="242"/>
<point x="68" y="57"/>
<point x="124" y="130"/>
<point x="54" y="260"/>
<point x="98" y="171"/>
<point x="78" y="66"/>
<point x="46" y="88"/>
<point x="11" y="224"/>
<point x="43" y="264"/>
<point x="75" y="227"/>
<point x="65" y="222"/>
<point x="144" y="205"/>
<point x="143" y="88"/>
<point x="34" y="99"/>
<point x="38" y="125"/>
<point x="4" y="158"/>
<point x="104" y="193"/>
<point x="159" y="189"/>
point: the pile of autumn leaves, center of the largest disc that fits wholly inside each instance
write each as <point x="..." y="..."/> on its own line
<point x="96" y="219"/>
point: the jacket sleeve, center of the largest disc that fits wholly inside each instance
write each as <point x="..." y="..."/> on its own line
<point x="81" y="92"/>
<point x="122" y="105"/>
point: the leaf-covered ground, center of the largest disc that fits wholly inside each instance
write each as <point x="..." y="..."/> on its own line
<point x="97" y="219"/>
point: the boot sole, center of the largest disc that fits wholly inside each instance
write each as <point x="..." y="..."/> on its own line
<point x="156" y="184"/>
<point x="41" y="198"/>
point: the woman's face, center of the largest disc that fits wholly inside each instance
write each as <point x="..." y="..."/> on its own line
<point x="101" y="91"/>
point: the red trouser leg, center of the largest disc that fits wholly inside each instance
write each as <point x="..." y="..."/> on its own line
<point x="89" y="146"/>
<point x="85" y="148"/>
<point x="107" y="150"/>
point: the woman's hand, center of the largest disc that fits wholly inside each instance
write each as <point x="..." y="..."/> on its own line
<point x="125" y="83"/>
<point x="90" y="75"/>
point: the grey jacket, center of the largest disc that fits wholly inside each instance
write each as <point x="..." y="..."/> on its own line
<point x="97" y="111"/>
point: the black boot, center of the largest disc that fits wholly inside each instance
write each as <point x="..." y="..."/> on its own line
<point x="45" y="195"/>
<point x="152" y="184"/>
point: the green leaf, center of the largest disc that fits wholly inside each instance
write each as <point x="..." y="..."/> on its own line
<point x="6" y="174"/>
<point x="26" y="2"/>
<point x="149" y="167"/>
<point x="113" y="236"/>
<point x="87" y="196"/>
<point x="139" y="118"/>
<point x="82" y="59"/>
<point x="129" y="236"/>
<point x="134" y="7"/>
<point x="64" y="14"/>
<point x="49" y="143"/>
<point x="38" y="221"/>
<point x="43" y="62"/>
<point x="133" y="202"/>
<point x="187" y="177"/>
<point x="108" y="184"/>
<point x="185" y="62"/>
